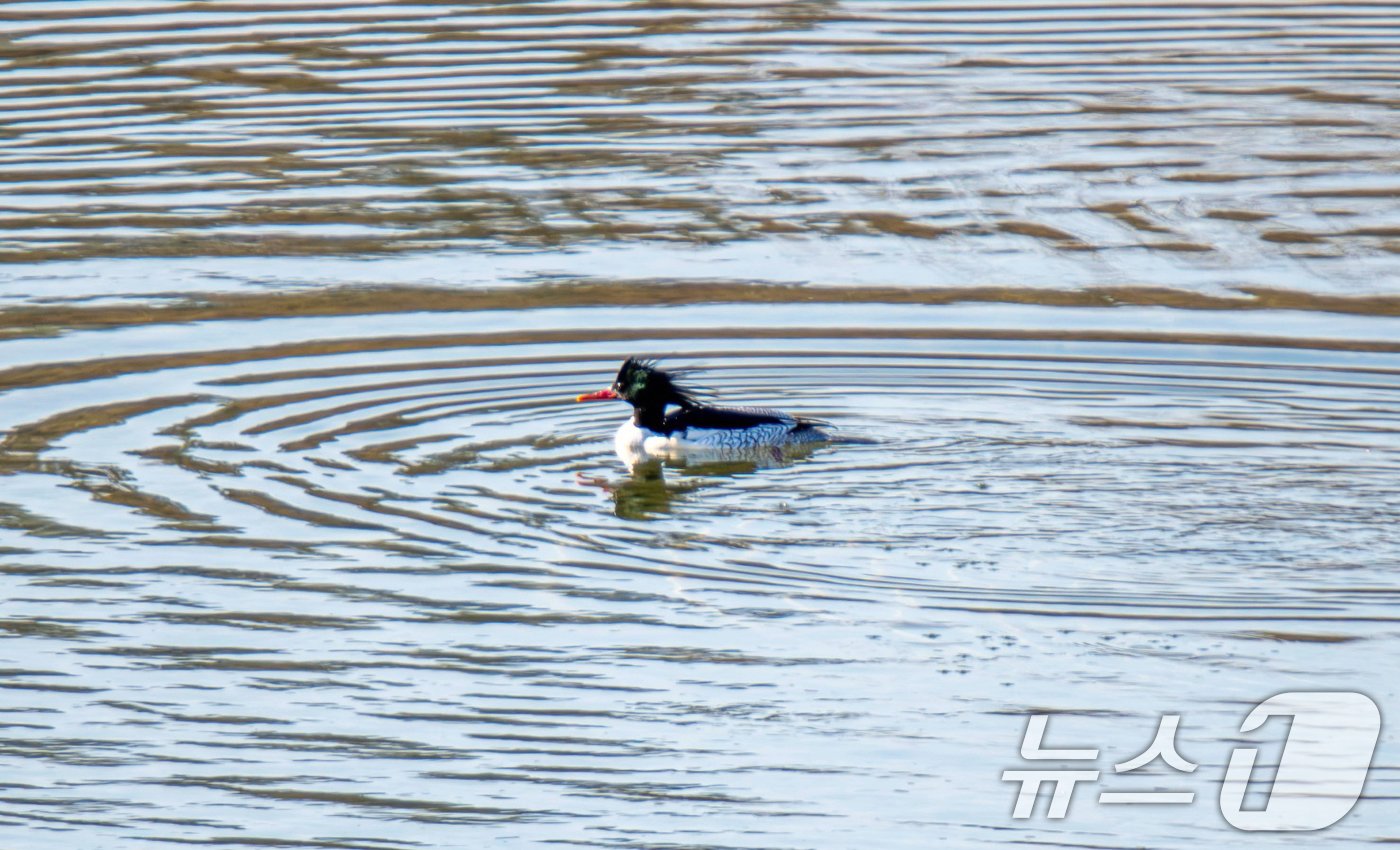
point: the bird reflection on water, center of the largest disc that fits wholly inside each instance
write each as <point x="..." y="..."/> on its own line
<point x="647" y="491"/>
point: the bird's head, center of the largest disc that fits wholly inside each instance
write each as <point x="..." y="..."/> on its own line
<point x="642" y="383"/>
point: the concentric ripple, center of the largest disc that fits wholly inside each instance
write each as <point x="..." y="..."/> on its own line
<point x="304" y="543"/>
<point x="1085" y="458"/>
<point x="383" y="577"/>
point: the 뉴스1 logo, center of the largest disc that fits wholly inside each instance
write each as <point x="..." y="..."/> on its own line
<point x="1321" y="773"/>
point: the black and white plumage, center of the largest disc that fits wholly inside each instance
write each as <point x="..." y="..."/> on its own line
<point x="670" y="420"/>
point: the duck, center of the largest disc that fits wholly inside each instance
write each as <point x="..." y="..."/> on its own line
<point x="670" y="420"/>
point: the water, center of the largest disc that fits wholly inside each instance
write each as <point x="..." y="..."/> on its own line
<point x="306" y="544"/>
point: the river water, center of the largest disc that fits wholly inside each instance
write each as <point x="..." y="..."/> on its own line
<point x="304" y="543"/>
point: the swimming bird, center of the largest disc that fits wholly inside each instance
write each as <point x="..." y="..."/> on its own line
<point x="692" y="426"/>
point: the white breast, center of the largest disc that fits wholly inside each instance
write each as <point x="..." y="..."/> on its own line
<point x="634" y="443"/>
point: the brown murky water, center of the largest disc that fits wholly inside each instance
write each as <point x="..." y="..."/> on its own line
<point x="303" y="542"/>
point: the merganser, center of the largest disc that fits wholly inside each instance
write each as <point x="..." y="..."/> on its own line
<point x="693" y="426"/>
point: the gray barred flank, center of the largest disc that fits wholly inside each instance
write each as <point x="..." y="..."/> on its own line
<point x="759" y="435"/>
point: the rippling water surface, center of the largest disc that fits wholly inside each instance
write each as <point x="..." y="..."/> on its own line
<point x="304" y="543"/>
